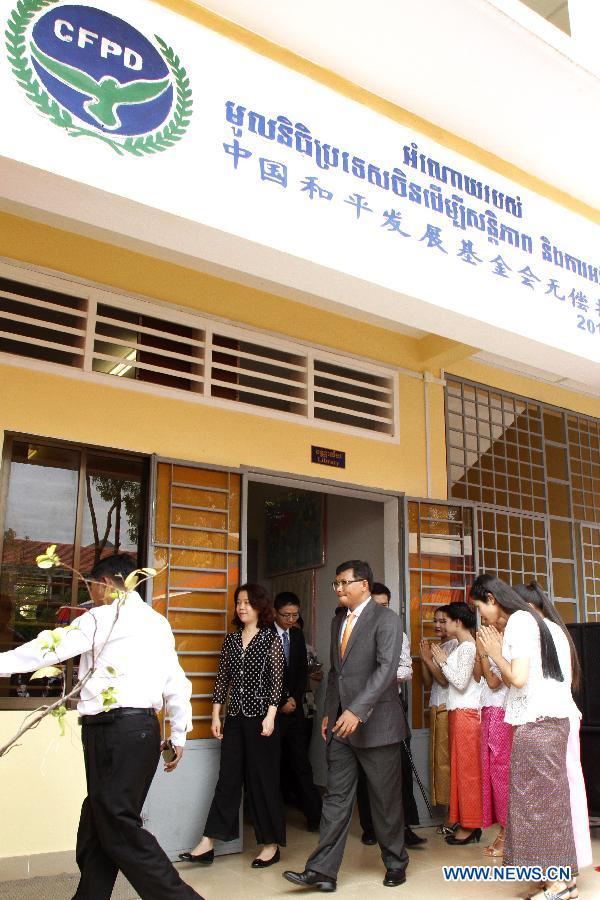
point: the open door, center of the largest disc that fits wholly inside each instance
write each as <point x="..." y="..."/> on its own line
<point x="196" y="542"/>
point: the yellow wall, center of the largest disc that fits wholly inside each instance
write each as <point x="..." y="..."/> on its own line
<point x="131" y="420"/>
<point x="42" y="785"/>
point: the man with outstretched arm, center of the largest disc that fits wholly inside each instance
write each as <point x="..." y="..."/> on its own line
<point x="136" y="665"/>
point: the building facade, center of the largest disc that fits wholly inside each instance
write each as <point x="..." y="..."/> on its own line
<point x="255" y="318"/>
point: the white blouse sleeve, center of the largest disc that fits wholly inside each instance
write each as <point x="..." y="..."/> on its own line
<point x="458" y="668"/>
<point x="405" y="669"/>
<point x="521" y="636"/>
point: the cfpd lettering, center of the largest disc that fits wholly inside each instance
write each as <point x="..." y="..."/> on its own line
<point x="65" y="31"/>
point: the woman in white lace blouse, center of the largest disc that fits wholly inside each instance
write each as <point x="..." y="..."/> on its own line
<point x="539" y="703"/>
<point x="439" y="749"/>
<point x="533" y="594"/>
<point x="465" y="726"/>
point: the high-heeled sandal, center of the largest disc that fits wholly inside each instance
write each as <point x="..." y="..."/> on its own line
<point x="446" y="829"/>
<point x="551" y="894"/>
<point x="573" y="892"/>
<point x="496" y="848"/>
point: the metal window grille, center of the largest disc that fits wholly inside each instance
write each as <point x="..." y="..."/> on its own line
<point x="512" y="546"/>
<point x="584" y="453"/>
<point x="495" y="450"/>
<point x="590" y="548"/>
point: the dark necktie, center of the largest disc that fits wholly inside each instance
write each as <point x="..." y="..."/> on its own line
<point x="286" y="646"/>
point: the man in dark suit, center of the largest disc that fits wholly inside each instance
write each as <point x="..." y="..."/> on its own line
<point x="363" y="725"/>
<point x="295" y="764"/>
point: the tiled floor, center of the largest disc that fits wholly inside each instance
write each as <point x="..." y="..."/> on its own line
<point x="230" y="877"/>
<point x="362" y="872"/>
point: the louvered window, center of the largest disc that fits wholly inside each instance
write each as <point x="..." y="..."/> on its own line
<point x="258" y="374"/>
<point x="353" y="397"/>
<point x="41" y="323"/>
<point x="140" y="347"/>
<point x="147" y="344"/>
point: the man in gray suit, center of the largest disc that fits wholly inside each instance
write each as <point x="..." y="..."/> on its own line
<point x="363" y="724"/>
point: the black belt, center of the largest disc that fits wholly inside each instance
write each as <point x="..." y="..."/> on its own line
<point x="104" y="718"/>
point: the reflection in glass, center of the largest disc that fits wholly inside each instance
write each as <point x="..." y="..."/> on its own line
<point x="41" y="510"/>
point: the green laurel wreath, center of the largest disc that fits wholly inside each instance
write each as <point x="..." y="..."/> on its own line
<point x="160" y="140"/>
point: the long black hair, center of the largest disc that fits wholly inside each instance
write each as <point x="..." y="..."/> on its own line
<point x="511" y="602"/>
<point x="532" y="593"/>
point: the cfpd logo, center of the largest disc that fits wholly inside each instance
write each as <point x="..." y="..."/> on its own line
<point x="95" y="75"/>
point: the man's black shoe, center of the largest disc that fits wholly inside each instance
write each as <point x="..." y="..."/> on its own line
<point x="411" y="839"/>
<point x="368" y="838"/>
<point x="308" y="878"/>
<point x="313" y="824"/>
<point x="394" y="877"/>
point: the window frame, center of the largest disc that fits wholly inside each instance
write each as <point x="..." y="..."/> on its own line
<point x="9" y="437"/>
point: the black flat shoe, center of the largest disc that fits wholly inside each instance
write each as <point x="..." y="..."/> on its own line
<point x="265" y="863"/>
<point x="202" y="859"/>
<point x="411" y="839"/>
<point x="394" y="877"/>
<point x="368" y="838"/>
<point x="310" y="878"/>
<point x="470" y="838"/>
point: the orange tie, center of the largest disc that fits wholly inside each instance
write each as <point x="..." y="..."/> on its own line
<point x="346" y="636"/>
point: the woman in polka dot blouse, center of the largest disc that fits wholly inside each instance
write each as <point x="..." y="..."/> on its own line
<point x="251" y="671"/>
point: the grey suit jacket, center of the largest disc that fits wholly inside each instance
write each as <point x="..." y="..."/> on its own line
<point x="364" y="681"/>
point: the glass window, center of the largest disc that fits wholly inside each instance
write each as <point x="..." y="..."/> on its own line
<point x="47" y="485"/>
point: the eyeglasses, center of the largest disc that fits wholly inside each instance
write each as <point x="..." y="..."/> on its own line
<point x="288" y="615"/>
<point x="342" y="584"/>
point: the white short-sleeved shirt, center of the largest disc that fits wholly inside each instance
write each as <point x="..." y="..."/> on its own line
<point x="540" y="697"/>
<point x="463" y="691"/>
<point x="488" y="696"/>
<point x="439" y="694"/>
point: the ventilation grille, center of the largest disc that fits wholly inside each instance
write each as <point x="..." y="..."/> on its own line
<point x="141" y="342"/>
<point x="140" y="347"/>
<point x="41" y="324"/>
<point x="353" y="397"/>
<point x="259" y="375"/>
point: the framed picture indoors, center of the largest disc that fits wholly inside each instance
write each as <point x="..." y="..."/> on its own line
<point x="295" y="532"/>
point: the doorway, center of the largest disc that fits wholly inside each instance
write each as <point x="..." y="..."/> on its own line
<point x="297" y="532"/>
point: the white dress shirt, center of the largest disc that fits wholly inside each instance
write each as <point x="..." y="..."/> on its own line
<point x="463" y="691"/>
<point x="356" y="613"/>
<point x="540" y="697"/>
<point x="140" y="649"/>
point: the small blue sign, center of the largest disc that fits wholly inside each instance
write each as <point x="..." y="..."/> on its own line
<point x="324" y="456"/>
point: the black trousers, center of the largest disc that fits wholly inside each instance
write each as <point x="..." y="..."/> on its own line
<point x="121" y="755"/>
<point x="296" y="769"/>
<point x="251" y="761"/>
<point x="411" y="813"/>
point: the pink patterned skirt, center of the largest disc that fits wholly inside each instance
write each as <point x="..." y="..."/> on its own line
<point x="496" y="743"/>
